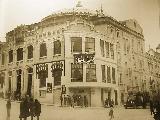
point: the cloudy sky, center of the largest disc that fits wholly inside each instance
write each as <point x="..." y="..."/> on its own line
<point x="146" y="12"/>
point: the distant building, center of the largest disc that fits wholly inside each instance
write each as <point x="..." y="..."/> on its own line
<point x="76" y="52"/>
<point x="152" y="71"/>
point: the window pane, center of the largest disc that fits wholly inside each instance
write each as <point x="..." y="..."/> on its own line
<point x="43" y="50"/>
<point x="19" y="54"/>
<point x="76" y="44"/>
<point x="3" y="58"/>
<point x="108" y="75"/>
<point x="57" y="47"/>
<point x="77" y="72"/>
<point x="89" y="44"/>
<point x="42" y="77"/>
<point x="103" y="73"/>
<point x="112" y="51"/>
<point x="113" y="76"/>
<point x="30" y="52"/>
<point x="57" y="77"/>
<point x="91" y="73"/>
<point x="102" y="47"/>
<point x="107" y="48"/>
<point x="10" y="56"/>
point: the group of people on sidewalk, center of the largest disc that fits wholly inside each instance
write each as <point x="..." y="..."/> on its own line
<point x="75" y="100"/>
<point x="28" y="108"/>
<point x="108" y="102"/>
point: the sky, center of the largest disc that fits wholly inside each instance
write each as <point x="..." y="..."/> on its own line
<point x="146" y="12"/>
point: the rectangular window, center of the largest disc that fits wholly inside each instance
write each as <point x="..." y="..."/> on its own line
<point x="57" y="47"/>
<point x="112" y="51"/>
<point x="1" y="80"/>
<point x="89" y="44"/>
<point x="43" y="50"/>
<point x="91" y="73"/>
<point x="113" y="76"/>
<point x="10" y="56"/>
<point x="125" y="46"/>
<point x="76" y="72"/>
<point x="42" y="77"/>
<point x="120" y="78"/>
<point x="107" y="49"/>
<point x="30" y="51"/>
<point x="76" y="44"/>
<point x="128" y="45"/>
<point x="108" y="75"/>
<point x="57" y="77"/>
<point x="103" y="73"/>
<point x="3" y="58"/>
<point x="19" y="54"/>
<point x="102" y="47"/>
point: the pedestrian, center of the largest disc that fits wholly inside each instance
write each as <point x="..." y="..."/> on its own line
<point x="106" y="102"/>
<point x="65" y="100"/>
<point x="72" y="102"/>
<point x="31" y="108"/>
<point x="24" y="109"/>
<point x="85" y="101"/>
<point x="37" y="109"/>
<point x="8" y="106"/>
<point x="151" y="107"/>
<point x="61" y="99"/>
<point x="69" y="100"/>
<point x="111" y="114"/>
<point x="112" y="102"/>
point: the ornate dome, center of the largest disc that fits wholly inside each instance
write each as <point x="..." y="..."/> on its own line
<point x="78" y="10"/>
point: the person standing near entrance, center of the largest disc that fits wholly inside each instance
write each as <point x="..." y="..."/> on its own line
<point x="8" y="106"/>
<point x="111" y="114"/>
<point x="31" y="108"/>
<point x="61" y="99"/>
<point x="37" y="108"/>
<point x="85" y="101"/>
<point x="24" y="109"/>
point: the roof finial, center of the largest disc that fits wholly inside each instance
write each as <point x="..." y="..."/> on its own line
<point x="101" y="9"/>
<point x="79" y="4"/>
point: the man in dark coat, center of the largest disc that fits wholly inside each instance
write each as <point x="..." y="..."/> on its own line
<point x="37" y="108"/>
<point x="157" y="113"/>
<point x="24" y="109"/>
<point x="8" y="106"/>
<point x="151" y="107"/>
<point x="31" y="108"/>
<point x="61" y="99"/>
<point x="85" y="101"/>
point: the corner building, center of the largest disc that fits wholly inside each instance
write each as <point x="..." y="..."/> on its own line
<point x="75" y="48"/>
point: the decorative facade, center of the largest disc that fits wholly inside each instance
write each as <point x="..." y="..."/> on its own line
<point x="88" y="53"/>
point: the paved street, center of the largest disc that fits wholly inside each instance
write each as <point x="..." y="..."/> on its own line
<point x="58" y="113"/>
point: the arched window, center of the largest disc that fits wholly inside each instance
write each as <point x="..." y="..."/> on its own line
<point x="19" y="54"/>
<point x="10" y="56"/>
<point x="30" y="52"/>
<point x="43" y="50"/>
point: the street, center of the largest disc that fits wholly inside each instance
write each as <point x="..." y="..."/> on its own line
<point x="67" y="113"/>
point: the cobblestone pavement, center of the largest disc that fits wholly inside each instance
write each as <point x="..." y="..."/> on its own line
<point x="67" y="113"/>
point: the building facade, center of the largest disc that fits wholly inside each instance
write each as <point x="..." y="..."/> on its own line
<point x="75" y="52"/>
<point x="152" y="71"/>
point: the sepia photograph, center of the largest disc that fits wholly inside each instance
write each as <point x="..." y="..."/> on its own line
<point x="79" y="59"/>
